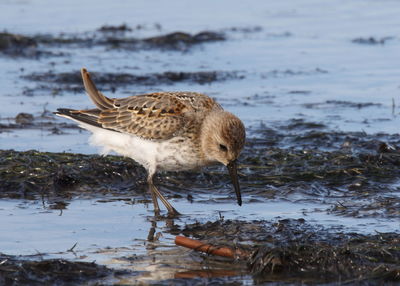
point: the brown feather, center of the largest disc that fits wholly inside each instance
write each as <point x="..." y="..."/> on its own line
<point x="158" y="116"/>
<point x="95" y="95"/>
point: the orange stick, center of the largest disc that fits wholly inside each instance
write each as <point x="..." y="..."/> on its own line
<point x="207" y="248"/>
<point x="206" y="273"/>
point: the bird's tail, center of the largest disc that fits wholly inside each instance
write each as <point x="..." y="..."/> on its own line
<point x="89" y="116"/>
<point x="101" y="101"/>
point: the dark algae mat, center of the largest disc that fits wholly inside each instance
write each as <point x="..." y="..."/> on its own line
<point x="350" y="175"/>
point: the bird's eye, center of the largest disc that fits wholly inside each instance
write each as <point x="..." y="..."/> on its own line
<point x="223" y="147"/>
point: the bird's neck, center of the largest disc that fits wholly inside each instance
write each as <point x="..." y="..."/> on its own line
<point x="207" y="131"/>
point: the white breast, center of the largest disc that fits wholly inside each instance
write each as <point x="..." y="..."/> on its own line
<point x="152" y="155"/>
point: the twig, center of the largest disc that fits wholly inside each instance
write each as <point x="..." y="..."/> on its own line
<point x="209" y="249"/>
<point x="72" y="248"/>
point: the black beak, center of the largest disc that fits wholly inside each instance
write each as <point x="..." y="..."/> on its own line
<point x="234" y="177"/>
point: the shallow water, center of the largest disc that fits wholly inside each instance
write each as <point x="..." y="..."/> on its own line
<point x="297" y="61"/>
<point x="109" y="232"/>
<point x="299" y="55"/>
<point x="34" y="227"/>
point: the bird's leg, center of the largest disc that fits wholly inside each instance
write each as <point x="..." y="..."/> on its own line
<point x="171" y="210"/>
<point x="156" y="193"/>
<point x="153" y="194"/>
<point x="152" y="231"/>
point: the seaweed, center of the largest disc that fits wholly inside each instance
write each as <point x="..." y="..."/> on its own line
<point x="294" y="251"/>
<point x="72" y="80"/>
<point x="111" y="37"/>
<point x="358" y="179"/>
<point x="23" y="271"/>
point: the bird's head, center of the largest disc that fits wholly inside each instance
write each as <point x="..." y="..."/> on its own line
<point x="223" y="137"/>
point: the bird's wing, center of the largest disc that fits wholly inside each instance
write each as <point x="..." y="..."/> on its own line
<point x="156" y="116"/>
<point x="151" y="116"/>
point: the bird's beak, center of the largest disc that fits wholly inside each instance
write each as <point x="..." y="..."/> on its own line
<point x="234" y="177"/>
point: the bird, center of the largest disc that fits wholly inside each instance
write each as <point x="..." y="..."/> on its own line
<point x="163" y="131"/>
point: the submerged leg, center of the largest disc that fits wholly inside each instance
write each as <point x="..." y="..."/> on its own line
<point x="171" y="210"/>
<point x="153" y="194"/>
<point x="156" y="193"/>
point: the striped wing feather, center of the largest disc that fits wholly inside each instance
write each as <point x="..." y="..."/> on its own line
<point x="151" y="116"/>
<point x="156" y="115"/>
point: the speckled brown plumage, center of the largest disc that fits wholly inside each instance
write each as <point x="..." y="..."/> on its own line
<point x="163" y="131"/>
<point x="157" y="116"/>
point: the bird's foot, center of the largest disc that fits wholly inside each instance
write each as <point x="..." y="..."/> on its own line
<point x="173" y="213"/>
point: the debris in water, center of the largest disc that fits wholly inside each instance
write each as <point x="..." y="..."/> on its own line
<point x="209" y="249"/>
<point x="24" y="118"/>
<point x="293" y="250"/>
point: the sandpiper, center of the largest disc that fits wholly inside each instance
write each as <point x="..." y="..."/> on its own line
<point x="170" y="131"/>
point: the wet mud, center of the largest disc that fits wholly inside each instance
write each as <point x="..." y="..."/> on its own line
<point x="27" y="271"/>
<point x="348" y="174"/>
<point x="110" y="37"/>
<point x="45" y="121"/>
<point x="356" y="174"/>
<point x="340" y="104"/>
<point x="372" y="40"/>
<point x="284" y="251"/>
<point x="72" y="81"/>
<point x="32" y="174"/>
<point x="18" y="45"/>
<point x="304" y="159"/>
<point x="295" y="251"/>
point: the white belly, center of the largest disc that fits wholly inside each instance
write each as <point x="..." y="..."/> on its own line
<point x="150" y="154"/>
